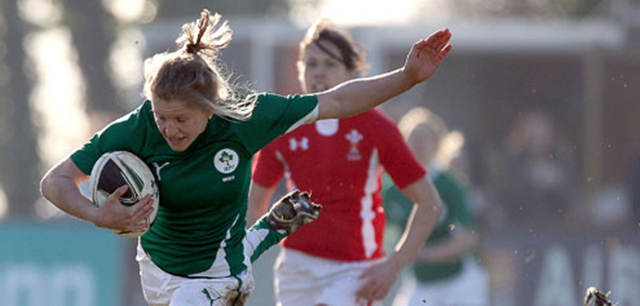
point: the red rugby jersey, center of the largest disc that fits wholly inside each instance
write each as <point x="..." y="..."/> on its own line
<point x="341" y="161"/>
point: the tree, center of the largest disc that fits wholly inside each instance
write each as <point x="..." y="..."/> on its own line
<point x="19" y="159"/>
<point x="93" y="32"/>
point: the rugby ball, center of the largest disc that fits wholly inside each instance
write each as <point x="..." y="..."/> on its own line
<point x="118" y="168"/>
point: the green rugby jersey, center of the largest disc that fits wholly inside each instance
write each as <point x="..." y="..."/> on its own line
<point x="455" y="213"/>
<point x="201" y="219"/>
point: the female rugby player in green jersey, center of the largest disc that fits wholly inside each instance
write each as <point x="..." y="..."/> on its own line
<point x="447" y="264"/>
<point x="198" y="137"/>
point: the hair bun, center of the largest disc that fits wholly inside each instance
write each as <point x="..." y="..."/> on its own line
<point x="192" y="48"/>
<point x="205" y="36"/>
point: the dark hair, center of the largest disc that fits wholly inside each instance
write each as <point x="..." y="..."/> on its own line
<point x="322" y="32"/>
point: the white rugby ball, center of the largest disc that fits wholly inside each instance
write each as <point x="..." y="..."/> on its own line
<point x="118" y="168"/>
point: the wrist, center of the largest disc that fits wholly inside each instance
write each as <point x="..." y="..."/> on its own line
<point x="93" y="215"/>
<point x="407" y="79"/>
<point x="396" y="260"/>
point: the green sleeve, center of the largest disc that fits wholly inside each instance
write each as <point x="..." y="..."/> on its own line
<point x="261" y="237"/>
<point x="273" y="116"/>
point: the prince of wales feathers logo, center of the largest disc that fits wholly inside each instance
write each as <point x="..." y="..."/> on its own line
<point x="354" y="137"/>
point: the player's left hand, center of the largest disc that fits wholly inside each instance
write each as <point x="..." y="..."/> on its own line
<point x="377" y="281"/>
<point x="293" y="210"/>
<point x="426" y="55"/>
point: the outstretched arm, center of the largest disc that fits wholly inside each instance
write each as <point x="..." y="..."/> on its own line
<point x="358" y="95"/>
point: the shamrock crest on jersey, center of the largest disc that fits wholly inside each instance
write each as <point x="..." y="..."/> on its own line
<point x="226" y="160"/>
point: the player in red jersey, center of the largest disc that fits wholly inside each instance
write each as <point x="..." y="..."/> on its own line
<point x="339" y="259"/>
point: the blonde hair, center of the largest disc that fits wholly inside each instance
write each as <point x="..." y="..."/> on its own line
<point x="448" y="143"/>
<point x="351" y="52"/>
<point x="191" y="73"/>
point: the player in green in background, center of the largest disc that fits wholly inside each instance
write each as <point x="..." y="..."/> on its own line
<point x="446" y="270"/>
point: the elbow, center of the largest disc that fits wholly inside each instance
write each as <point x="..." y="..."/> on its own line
<point x="429" y="209"/>
<point x="45" y="185"/>
<point x="436" y="207"/>
<point x="50" y="183"/>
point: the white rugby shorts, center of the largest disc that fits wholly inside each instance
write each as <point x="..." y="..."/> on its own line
<point x="164" y="289"/>
<point x="305" y="280"/>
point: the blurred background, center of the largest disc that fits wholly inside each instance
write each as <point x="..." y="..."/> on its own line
<point x="546" y="95"/>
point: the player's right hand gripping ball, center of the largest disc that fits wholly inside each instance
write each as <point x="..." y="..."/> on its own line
<point x="292" y="211"/>
<point x="595" y="297"/>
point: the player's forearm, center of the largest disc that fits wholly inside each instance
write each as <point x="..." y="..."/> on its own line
<point x="64" y="194"/>
<point x="421" y="222"/>
<point x="362" y="94"/>
<point x="423" y="219"/>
